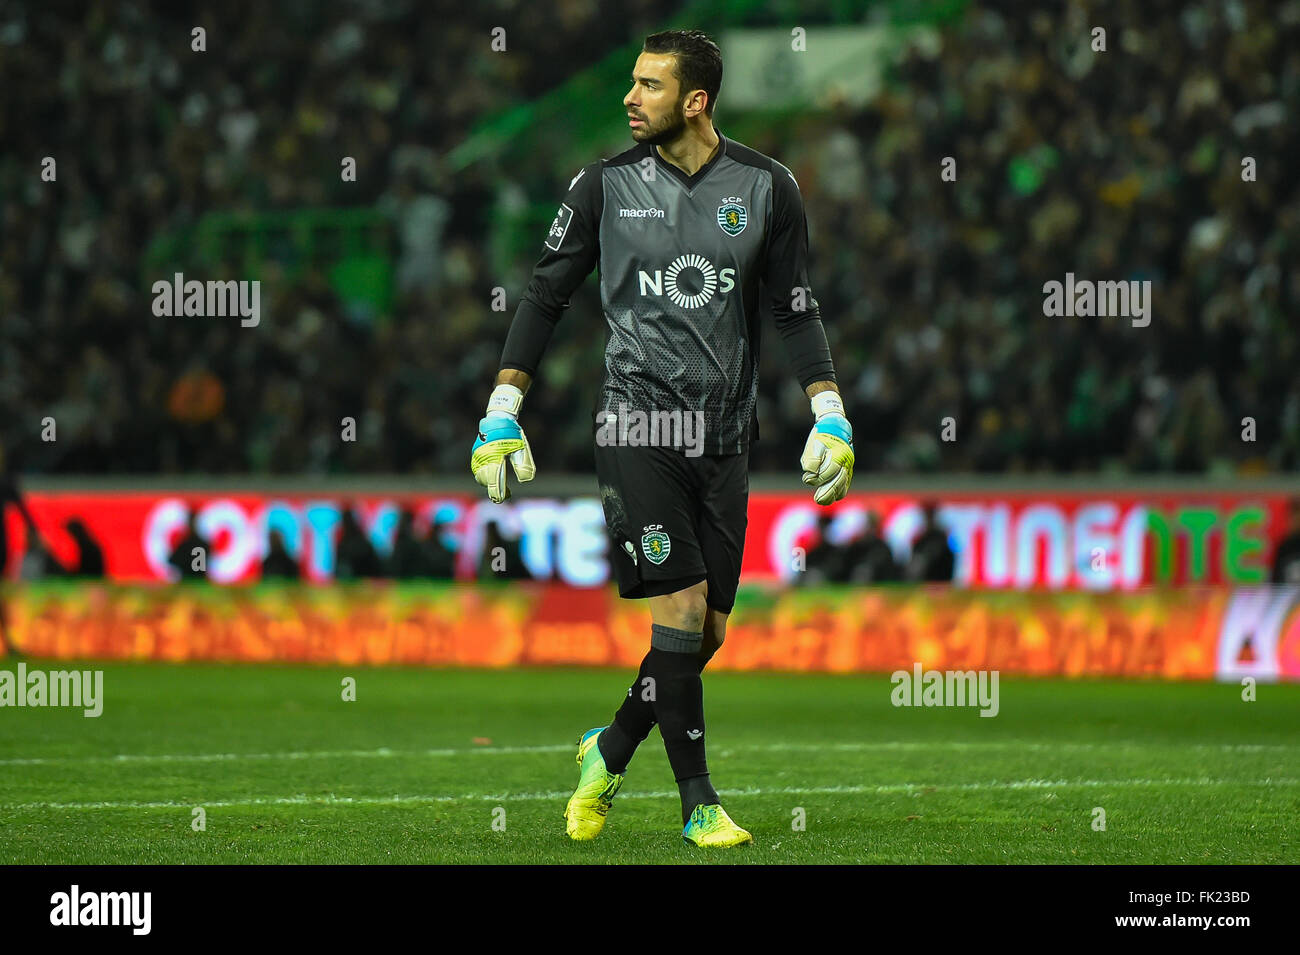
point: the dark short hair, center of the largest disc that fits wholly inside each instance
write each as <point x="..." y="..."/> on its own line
<point x="699" y="61"/>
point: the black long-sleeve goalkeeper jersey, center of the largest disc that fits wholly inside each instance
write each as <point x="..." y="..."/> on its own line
<point x="687" y="263"/>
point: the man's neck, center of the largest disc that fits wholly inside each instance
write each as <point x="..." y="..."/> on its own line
<point x="693" y="150"/>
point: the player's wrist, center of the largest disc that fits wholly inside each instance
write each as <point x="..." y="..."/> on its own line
<point x="826" y="403"/>
<point x="505" y="402"/>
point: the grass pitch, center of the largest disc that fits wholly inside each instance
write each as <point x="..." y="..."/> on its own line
<point x="424" y="762"/>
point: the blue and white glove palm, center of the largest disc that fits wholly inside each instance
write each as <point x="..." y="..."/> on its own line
<point x="500" y="438"/>
<point x="827" y="459"/>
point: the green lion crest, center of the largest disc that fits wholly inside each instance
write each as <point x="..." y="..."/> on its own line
<point x="656" y="546"/>
<point x="732" y="216"/>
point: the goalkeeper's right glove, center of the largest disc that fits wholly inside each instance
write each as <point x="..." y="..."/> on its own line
<point x="499" y="438"/>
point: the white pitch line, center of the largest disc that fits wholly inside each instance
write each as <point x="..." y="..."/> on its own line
<point x="385" y="752"/>
<point x="880" y="789"/>
<point x="380" y="753"/>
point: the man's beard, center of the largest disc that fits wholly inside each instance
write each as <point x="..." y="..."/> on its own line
<point x="668" y="129"/>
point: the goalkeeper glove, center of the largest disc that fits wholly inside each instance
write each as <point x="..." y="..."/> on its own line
<point x="828" y="456"/>
<point x="499" y="438"/>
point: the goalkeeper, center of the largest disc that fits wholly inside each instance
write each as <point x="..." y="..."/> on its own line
<point x="693" y="234"/>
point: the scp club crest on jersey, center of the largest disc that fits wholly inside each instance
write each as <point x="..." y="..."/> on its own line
<point x="655" y="544"/>
<point x="732" y="216"/>
<point x="559" y="227"/>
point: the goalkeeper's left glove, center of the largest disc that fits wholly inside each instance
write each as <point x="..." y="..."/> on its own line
<point x="828" y="456"/>
<point x="499" y="438"/>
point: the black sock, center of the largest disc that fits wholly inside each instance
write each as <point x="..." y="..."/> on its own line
<point x="696" y="791"/>
<point x="632" y="724"/>
<point x="674" y="664"/>
<point x="636" y="717"/>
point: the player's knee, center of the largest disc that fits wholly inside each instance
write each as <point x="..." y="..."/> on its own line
<point x="689" y="608"/>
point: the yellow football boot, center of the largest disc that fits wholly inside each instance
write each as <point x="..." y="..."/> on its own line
<point x="711" y="827"/>
<point x="584" y="816"/>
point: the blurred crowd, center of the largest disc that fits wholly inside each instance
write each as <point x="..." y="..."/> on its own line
<point x="868" y="558"/>
<point x="415" y="554"/>
<point x="1117" y="165"/>
<point x="1121" y="165"/>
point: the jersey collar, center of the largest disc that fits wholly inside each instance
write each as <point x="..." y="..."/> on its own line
<point x="690" y="182"/>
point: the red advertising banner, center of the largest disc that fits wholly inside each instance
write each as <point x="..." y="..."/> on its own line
<point x="1195" y="633"/>
<point x="1055" y="541"/>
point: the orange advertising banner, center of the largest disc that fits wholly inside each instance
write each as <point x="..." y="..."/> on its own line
<point x="1173" y="634"/>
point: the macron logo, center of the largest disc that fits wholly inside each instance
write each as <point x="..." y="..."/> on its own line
<point x="641" y="213"/>
<point x="695" y="734"/>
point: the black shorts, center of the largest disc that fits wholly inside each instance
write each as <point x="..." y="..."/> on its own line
<point x="674" y="520"/>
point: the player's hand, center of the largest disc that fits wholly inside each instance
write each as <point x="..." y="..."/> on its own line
<point x="827" y="459"/>
<point x="500" y="438"/>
